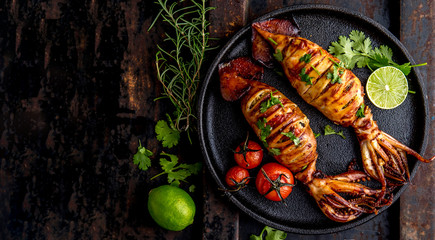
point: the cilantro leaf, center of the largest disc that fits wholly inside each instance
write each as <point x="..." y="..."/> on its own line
<point x="357" y="51"/>
<point x="177" y="174"/>
<point x="264" y="130"/>
<point x="275" y="151"/>
<point x="290" y="135"/>
<point x="317" y="134"/>
<point x="360" y="112"/>
<point x="142" y="157"/>
<point x="330" y="131"/>
<point x="167" y="135"/>
<point x="335" y="75"/>
<point x="192" y="188"/>
<point x="306" y="58"/>
<point x="278" y="55"/>
<point x="270" y="102"/>
<point x="271" y="234"/>
<point x="305" y="78"/>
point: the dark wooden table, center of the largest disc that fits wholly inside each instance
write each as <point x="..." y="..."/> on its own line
<point x="77" y="90"/>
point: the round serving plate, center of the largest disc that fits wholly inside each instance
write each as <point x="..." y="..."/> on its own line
<point x="222" y="125"/>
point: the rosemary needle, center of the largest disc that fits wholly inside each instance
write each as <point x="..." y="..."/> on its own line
<point x="179" y="68"/>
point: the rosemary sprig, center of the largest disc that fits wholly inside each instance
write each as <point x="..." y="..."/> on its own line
<point x="179" y="69"/>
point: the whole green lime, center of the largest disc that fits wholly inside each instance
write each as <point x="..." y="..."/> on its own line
<point x="171" y="207"/>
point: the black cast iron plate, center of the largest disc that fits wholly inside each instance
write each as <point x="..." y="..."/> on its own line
<point x="222" y="125"/>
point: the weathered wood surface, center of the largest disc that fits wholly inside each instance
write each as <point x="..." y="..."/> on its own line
<point x="77" y="89"/>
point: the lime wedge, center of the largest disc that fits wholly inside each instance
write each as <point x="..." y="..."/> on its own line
<point x="387" y="87"/>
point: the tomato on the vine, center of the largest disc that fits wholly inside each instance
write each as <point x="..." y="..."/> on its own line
<point x="248" y="154"/>
<point x="274" y="181"/>
<point x="237" y="177"/>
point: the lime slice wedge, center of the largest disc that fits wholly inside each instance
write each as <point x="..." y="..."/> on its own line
<point x="387" y="87"/>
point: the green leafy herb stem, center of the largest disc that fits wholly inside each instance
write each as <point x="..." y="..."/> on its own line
<point x="357" y="50"/>
<point x="179" y="68"/>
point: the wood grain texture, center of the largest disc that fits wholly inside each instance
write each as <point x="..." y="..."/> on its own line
<point x="417" y="203"/>
<point x="77" y="90"/>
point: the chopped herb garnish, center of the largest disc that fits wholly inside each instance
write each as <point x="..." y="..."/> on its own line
<point x="291" y="135"/>
<point x="330" y="131"/>
<point x="275" y="151"/>
<point x="270" y="102"/>
<point x="278" y="55"/>
<point x="273" y="41"/>
<point x="305" y="78"/>
<point x="335" y="75"/>
<point x="412" y="92"/>
<point x="303" y="168"/>
<point x="279" y="72"/>
<point x="306" y="58"/>
<point x="360" y="112"/>
<point x="316" y="135"/>
<point x="315" y="69"/>
<point x="264" y="130"/>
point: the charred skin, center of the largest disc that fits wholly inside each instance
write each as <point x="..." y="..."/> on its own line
<point x="238" y="81"/>
<point x="384" y="158"/>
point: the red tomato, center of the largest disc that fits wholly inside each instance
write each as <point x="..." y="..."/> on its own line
<point x="237" y="177"/>
<point x="280" y="181"/>
<point x="248" y="154"/>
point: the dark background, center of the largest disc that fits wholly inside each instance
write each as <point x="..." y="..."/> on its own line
<point x="77" y="90"/>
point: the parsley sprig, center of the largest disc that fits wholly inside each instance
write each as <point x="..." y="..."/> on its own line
<point x="265" y="130"/>
<point x="335" y="75"/>
<point x="293" y="137"/>
<point x="177" y="173"/>
<point x="270" y="102"/>
<point x="360" y="112"/>
<point x="142" y="157"/>
<point x="168" y="135"/>
<point x="304" y="77"/>
<point x="306" y="58"/>
<point x="278" y="55"/>
<point x="330" y="131"/>
<point x="271" y="234"/>
<point x="357" y="50"/>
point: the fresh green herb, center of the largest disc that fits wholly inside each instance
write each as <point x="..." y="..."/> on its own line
<point x="317" y="134"/>
<point x="179" y="68"/>
<point x="412" y="92"/>
<point x="273" y="41"/>
<point x="168" y="135"/>
<point x="264" y="130"/>
<point x="177" y="173"/>
<point x="278" y="55"/>
<point x="279" y="72"/>
<point x="335" y="75"/>
<point x="290" y="135"/>
<point x="357" y="50"/>
<point x="270" y="102"/>
<point x="315" y="69"/>
<point x="305" y="78"/>
<point x="306" y="58"/>
<point x="275" y="151"/>
<point x="303" y="168"/>
<point x="330" y="131"/>
<point x="360" y="112"/>
<point x="142" y="157"/>
<point x="271" y="234"/>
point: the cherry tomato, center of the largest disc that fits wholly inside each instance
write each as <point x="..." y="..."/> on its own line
<point x="237" y="177"/>
<point x="248" y="154"/>
<point x="274" y="181"/>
